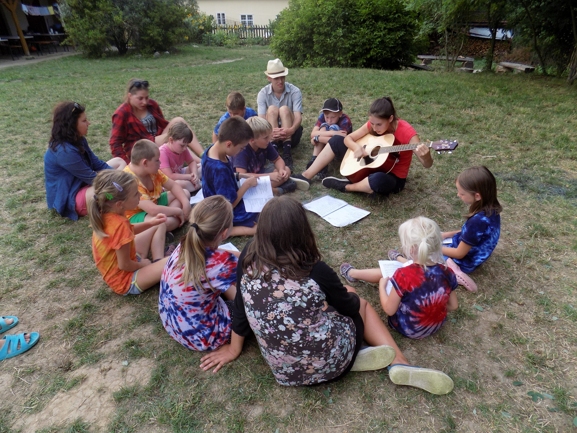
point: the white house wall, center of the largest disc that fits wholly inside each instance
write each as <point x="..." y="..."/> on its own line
<point x="262" y="11"/>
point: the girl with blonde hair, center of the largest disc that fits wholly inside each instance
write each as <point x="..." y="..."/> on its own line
<point x="116" y="242"/>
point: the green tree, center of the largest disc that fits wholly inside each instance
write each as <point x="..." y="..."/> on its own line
<point x="147" y="25"/>
<point x="550" y="27"/>
<point x="496" y="12"/>
<point x="363" y="33"/>
<point x="448" y="19"/>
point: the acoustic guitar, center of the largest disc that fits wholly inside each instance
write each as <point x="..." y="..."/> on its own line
<point x="382" y="155"/>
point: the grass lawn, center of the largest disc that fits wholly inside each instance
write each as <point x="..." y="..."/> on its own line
<point x="105" y="363"/>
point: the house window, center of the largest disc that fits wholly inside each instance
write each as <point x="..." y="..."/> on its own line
<point x="220" y="18"/>
<point x="246" y="20"/>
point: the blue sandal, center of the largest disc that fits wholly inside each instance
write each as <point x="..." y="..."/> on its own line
<point x="16" y="344"/>
<point x="5" y="326"/>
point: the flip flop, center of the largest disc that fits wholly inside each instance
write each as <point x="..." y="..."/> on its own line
<point x="16" y="344"/>
<point x="462" y="278"/>
<point x="5" y="326"/>
<point x="433" y="381"/>
<point x="373" y="358"/>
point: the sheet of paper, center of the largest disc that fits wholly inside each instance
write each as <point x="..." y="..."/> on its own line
<point x="256" y="197"/>
<point x="197" y="198"/>
<point x="447" y="241"/>
<point x="346" y="215"/>
<point x="388" y="268"/>
<point x="325" y="205"/>
<point x="229" y="246"/>
<point x="337" y="212"/>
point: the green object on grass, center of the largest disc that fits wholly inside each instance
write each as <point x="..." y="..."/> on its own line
<point x="478" y="307"/>
<point x="517" y="383"/>
<point x="535" y="396"/>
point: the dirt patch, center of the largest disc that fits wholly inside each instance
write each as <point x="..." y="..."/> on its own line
<point x="92" y="400"/>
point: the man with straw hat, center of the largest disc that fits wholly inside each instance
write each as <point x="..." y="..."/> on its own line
<point x="281" y="104"/>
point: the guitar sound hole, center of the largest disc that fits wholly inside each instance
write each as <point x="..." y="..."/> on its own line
<point x="375" y="151"/>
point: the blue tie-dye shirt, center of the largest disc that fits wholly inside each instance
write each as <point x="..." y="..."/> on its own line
<point x="482" y="233"/>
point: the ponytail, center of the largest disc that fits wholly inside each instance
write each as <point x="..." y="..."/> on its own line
<point x="208" y="220"/>
<point x="110" y="186"/>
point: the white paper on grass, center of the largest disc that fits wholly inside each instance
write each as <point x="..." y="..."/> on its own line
<point x="197" y="198"/>
<point x="256" y="197"/>
<point x="335" y="211"/>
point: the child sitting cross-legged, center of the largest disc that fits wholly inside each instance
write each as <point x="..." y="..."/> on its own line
<point x="332" y="121"/>
<point x="116" y="242"/>
<point x="219" y="177"/>
<point x="423" y="289"/>
<point x="253" y="159"/>
<point x="174" y="202"/>
<point x="176" y="161"/>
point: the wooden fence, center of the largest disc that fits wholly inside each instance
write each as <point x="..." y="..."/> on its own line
<point x="245" y="32"/>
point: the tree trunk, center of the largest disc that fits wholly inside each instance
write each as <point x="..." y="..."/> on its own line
<point x="535" y="44"/>
<point x="573" y="61"/>
<point x="573" y="66"/>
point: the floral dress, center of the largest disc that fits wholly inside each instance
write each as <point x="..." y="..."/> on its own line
<point x="303" y="339"/>
<point x="197" y="319"/>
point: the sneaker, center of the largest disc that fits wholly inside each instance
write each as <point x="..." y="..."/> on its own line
<point x="462" y="278"/>
<point x="311" y="161"/>
<point x="335" y="183"/>
<point x="323" y="173"/>
<point x="289" y="186"/>
<point x="303" y="184"/>
<point x="433" y="381"/>
<point x="373" y="358"/>
<point x="288" y="160"/>
<point x="344" y="270"/>
<point x="394" y="255"/>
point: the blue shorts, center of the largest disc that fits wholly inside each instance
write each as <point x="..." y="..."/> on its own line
<point x="134" y="289"/>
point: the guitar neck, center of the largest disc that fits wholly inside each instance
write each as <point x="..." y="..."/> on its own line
<point x="403" y="147"/>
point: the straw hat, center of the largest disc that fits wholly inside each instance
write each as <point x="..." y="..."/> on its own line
<point x="275" y="69"/>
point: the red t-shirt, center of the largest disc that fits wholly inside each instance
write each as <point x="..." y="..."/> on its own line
<point x="402" y="135"/>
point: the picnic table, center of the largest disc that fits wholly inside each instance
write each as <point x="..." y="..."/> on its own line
<point x="466" y="62"/>
<point x="49" y="40"/>
<point x="12" y="42"/>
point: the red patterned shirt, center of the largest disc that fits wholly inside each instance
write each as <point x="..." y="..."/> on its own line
<point x="127" y="129"/>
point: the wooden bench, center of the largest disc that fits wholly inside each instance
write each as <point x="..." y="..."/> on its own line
<point x="515" y="67"/>
<point x="466" y="62"/>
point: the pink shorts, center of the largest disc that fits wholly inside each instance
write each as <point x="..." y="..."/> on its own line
<point x="81" y="208"/>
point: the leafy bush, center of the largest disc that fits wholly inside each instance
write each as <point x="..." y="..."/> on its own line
<point x="199" y="25"/>
<point x="222" y="39"/>
<point x="363" y="33"/>
<point x="146" y="25"/>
